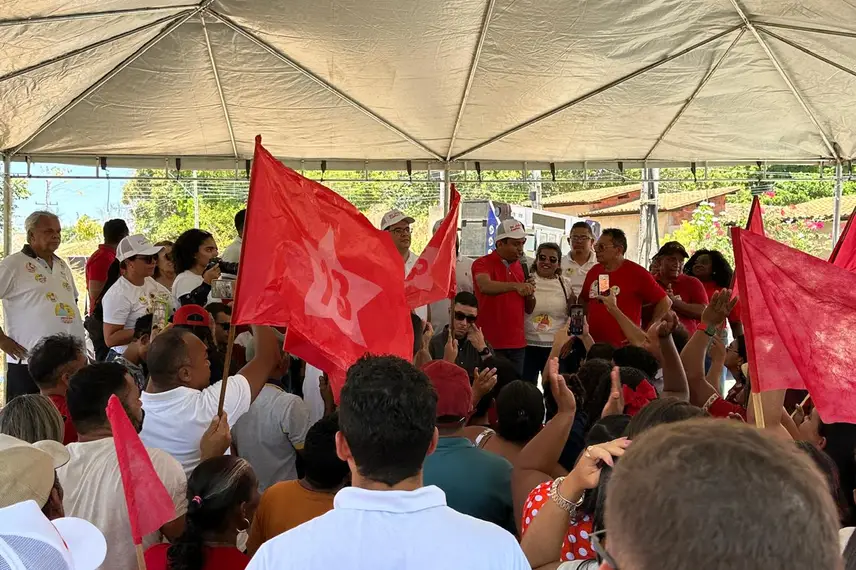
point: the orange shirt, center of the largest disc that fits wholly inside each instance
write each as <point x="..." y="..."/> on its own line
<point x="284" y="506"/>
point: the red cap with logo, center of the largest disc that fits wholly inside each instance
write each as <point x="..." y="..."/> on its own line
<point x="192" y="315"/>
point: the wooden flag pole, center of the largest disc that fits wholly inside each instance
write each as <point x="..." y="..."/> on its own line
<point x="141" y="559"/>
<point x="226" y="367"/>
<point x="802" y="405"/>
<point x="759" y="410"/>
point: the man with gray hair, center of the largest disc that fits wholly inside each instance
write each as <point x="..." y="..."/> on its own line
<point x="39" y="299"/>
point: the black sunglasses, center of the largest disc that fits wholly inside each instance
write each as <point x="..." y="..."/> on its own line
<point x="551" y="259"/>
<point x="225" y="326"/>
<point x="602" y="554"/>
<point x="464" y="317"/>
<point x="144" y="258"/>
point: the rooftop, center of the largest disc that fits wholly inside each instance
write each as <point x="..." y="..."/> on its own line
<point x="591" y="196"/>
<point x="668" y="201"/>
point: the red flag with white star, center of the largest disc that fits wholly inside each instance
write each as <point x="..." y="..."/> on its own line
<point x="312" y="262"/>
<point x="844" y="254"/>
<point x="799" y="323"/>
<point x="433" y="275"/>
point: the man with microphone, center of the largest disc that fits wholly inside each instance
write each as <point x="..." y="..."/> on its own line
<point x="503" y="289"/>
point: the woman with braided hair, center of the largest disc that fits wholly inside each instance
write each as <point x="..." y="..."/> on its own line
<point x="222" y="496"/>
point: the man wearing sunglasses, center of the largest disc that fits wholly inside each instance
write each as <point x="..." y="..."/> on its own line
<point x="577" y="262"/>
<point x="472" y="347"/>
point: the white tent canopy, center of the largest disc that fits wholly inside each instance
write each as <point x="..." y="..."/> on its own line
<point x="561" y="81"/>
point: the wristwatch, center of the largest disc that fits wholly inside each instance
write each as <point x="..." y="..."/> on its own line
<point x="709" y="330"/>
<point x="485" y="352"/>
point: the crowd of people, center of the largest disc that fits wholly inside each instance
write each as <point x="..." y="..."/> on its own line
<point x="568" y="411"/>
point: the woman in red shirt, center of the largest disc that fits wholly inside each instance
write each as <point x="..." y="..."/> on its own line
<point x="713" y="270"/>
<point x="222" y="497"/>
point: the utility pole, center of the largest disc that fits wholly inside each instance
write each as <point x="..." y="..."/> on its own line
<point x="47" y="204"/>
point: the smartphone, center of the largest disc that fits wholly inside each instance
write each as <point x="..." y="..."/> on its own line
<point x="223" y="289"/>
<point x="575" y="324"/>
<point x="160" y="317"/>
<point x="603" y="284"/>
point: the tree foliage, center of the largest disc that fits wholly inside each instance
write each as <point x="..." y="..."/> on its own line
<point x="84" y="229"/>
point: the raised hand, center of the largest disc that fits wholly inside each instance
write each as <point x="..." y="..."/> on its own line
<point x="615" y="405"/>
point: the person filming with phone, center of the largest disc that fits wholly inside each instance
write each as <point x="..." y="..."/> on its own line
<point x="553" y="296"/>
<point x="631" y="285"/>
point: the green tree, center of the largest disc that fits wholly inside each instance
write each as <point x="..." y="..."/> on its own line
<point x="84" y="229"/>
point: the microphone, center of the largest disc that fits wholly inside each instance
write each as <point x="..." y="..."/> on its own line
<point x="525" y="271"/>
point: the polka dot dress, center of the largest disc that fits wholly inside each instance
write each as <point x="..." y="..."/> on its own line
<point x="577" y="543"/>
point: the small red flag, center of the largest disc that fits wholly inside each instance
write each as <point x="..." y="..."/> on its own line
<point x="312" y="262"/>
<point x="844" y="254"/>
<point x="799" y="315"/>
<point x="433" y="276"/>
<point x="149" y="504"/>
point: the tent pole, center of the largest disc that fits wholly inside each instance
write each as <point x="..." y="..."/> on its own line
<point x="595" y="92"/>
<point x="7" y="204"/>
<point x="195" y="200"/>
<point x="471" y="76"/>
<point x="103" y="13"/>
<point x="237" y="28"/>
<point x="446" y="190"/>
<point x="176" y="22"/>
<point x="781" y="71"/>
<point x="695" y="93"/>
<point x="836" y="208"/>
<point x="809" y="52"/>
<point x="219" y="87"/>
<point x="806" y="29"/>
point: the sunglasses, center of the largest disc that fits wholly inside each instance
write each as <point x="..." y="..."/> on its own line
<point x="464" y="317"/>
<point x="551" y="258"/>
<point x="144" y="258"/>
<point x="602" y="554"/>
<point x="225" y="326"/>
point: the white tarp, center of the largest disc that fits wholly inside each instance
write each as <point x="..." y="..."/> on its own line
<point x="387" y="79"/>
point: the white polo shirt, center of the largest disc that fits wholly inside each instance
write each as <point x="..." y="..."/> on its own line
<point x="392" y="530"/>
<point x="125" y="302"/>
<point x="575" y="272"/>
<point x="176" y="419"/>
<point x="38" y="300"/>
<point x="412" y="258"/>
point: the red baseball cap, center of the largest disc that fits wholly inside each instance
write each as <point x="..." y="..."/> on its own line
<point x="192" y="315"/>
<point x="452" y="384"/>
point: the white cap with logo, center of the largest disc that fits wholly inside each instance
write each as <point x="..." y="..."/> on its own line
<point x="29" y="541"/>
<point x="135" y="245"/>
<point x="510" y="229"/>
<point x="393" y="217"/>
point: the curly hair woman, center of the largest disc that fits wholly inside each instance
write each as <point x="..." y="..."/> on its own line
<point x="713" y="270"/>
<point x="222" y="497"/>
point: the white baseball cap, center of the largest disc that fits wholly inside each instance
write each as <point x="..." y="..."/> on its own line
<point x="27" y="469"/>
<point x="29" y="541"/>
<point x="393" y="217"/>
<point x="510" y="229"/>
<point x="135" y="245"/>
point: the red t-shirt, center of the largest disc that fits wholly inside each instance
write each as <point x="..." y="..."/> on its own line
<point x="633" y="286"/>
<point x="710" y="288"/>
<point x="216" y="558"/>
<point x="719" y="408"/>
<point x="690" y="290"/>
<point x="500" y="316"/>
<point x="70" y="435"/>
<point x="97" y="266"/>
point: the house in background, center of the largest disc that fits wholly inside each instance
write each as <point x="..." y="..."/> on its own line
<point x="582" y="201"/>
<point x="674" y="208"/>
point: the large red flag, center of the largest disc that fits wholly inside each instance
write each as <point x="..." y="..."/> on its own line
<point x="433" y="276"/>
<point x="149" y="504"/>
<point x="754" y="224"/>
<point x="844" y="254"/>
<point x="312" y="262"/>
<point x="799" y="315"/>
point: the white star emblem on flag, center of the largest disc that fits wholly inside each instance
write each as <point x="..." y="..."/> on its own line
<point x="419" y="276"/>
<point x="336" y="293"/>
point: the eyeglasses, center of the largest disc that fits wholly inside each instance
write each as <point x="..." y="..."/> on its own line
<point x="550" y="258"/>
<point x="580" y="238"/>
<point x="602" y="554"/>
<point x="602" y="247"/>
<point x="144" y="258"/>
<point x="401" y="231"/>
<point x="225" y="326"/>
<point x="465" y="317"/>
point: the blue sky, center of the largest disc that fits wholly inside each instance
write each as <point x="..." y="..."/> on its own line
<point x="99" y="199"/>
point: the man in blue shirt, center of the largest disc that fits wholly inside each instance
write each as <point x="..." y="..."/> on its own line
<point x="476" y="482"/>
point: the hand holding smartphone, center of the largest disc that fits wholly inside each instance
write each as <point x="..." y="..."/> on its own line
<point x="577" y="320"/>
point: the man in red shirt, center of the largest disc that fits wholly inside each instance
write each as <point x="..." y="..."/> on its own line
<point x="503" y="292"/>
<point x="100" y="261"/>
<point x="687" y="293"/>
<point x="629" y="282"/>
<point x="52" y="363"/>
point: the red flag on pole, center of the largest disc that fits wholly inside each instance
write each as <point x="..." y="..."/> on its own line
<point x="799" y="315"/>
<point x="312" y="262"/>
<point x="844" y="254"/>
<point x="433" y="276"/>
<point x="149" y="504"/>
<point x="754" y="224"/>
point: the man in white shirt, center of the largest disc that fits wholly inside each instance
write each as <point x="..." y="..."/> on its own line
<point x="577" y="262"/>
<point x="39" y="299"/>
<point x="179" y="400"/>
<point x="91" y="479"/>
<point x="387" y="519"/>
<point x="464" y="282"/>
<point x="232" y="253"/>
<point x="397" y="223"/>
